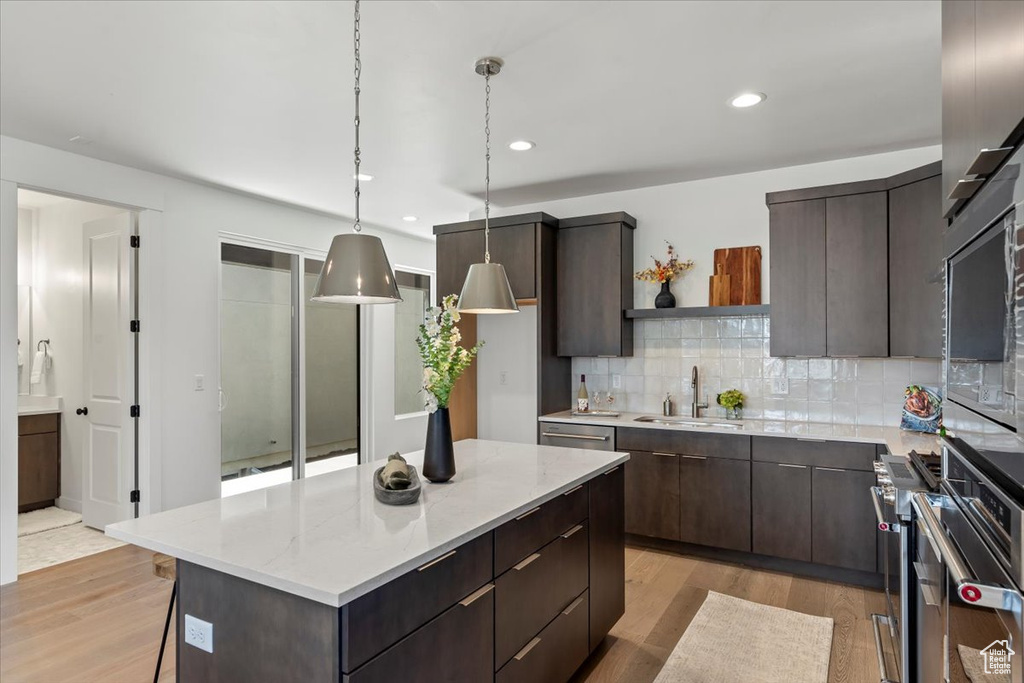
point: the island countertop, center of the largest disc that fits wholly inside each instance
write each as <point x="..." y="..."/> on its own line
<point x="326" y="538"/>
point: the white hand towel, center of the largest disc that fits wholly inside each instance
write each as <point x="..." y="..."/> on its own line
<point x="39" y="367"/>
<point x="21" y="357"/>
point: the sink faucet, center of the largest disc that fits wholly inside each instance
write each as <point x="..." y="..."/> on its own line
<point x="696" y="407"/>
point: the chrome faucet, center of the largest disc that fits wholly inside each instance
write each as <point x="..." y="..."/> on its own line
<point x="696" y="407"/>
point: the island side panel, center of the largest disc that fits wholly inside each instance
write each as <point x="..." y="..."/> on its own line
<point x="259" y="633"/>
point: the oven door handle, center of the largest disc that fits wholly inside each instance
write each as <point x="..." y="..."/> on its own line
<point x="877" y="501"/>
<point x="968" y="588"/>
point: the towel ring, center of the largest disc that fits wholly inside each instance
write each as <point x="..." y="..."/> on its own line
<point x="40" y="345"/>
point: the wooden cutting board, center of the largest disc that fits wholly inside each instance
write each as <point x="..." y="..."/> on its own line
<point x="719" y="286"/>
<point x="743" y="267"/>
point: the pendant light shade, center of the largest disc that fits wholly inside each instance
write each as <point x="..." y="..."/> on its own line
<point x="487" y="290"/>
<point x="357" y="271"/>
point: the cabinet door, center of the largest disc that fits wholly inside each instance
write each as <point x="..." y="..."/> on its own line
<point x="999" y="71"/>
<point x="38" y="468"/>
<point x="781" y="510"/>
<point x="915" y="269"/>
<point x="607" y="552"/>
<point x="652" y="495"/>
<point x="714" y="502"/>
<point x="959" y="138"/>
<point x="514" y="247"/>
<point x="797" y="248"/>
<point x="857" y="248"/>
<point x="456" y="251"/>
<point x="843" y="519"/>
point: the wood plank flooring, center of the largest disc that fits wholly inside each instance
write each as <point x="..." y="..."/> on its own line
<point x="100" y="618"/>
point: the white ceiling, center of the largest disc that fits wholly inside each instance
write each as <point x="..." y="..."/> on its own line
<point x="257" y="96"/>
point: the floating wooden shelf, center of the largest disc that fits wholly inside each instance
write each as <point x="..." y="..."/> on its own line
<point x="698" y="311"/>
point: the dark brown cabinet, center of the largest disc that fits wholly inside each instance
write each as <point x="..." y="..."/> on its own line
<point x="797" y="266"/>
<point x="915" y="268"/>
<point x="843" y="519"/>
<point x="856" y="284"/>
<point x="456" y="252"/>
<point x="515" y="247"/>
<point x="781" y="507"/>
<point x="607" y="556"/>
<point x="652" y="495"/>
<point x="38" y="461"/>
<point x="555" y="653"/>
<point x="595" y="285"/>
<point x="714" y="502"/>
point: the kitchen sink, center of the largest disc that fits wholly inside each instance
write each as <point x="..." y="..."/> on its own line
<point x="688" y="422"/>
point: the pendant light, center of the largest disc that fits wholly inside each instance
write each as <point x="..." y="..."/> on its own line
<point x="357" y="270"/>
<point x="486" y="289"/>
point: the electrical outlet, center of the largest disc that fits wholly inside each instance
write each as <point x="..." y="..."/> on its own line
<point x="503" y="377"/>
<point x="199" y="633"/>
<point x="616" y="381"/>
<point x="989" y="394"/>
<point x="780" y="385"/>
<point x="200" y="382"/>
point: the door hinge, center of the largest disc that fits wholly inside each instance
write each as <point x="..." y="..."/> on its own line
<point x="134" y="326"/>
<point x="134" y="411"/>
<point x="135" y="496"/>
<point x="134" y="241"/>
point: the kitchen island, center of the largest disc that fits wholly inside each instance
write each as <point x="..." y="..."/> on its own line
<point x="514" y="570"/>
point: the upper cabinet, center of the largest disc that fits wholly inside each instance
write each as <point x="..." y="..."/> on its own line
<point x="595" y="285"/>
<point x="982" y="97"/>
<point x="513" y="245"/>
<point x="856" y="268"/>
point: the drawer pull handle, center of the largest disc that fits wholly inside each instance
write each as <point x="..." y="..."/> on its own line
<point x="430" y="564"/>
<point x="572" y="491"/>
<point x="813" y="440"/>
<point x="614" y="469"/>
<point x="574" y="605"/>
<point x="477" y="595"/>
<point x="796" y="467"/>
<point x="525" y="563"/>
<point x="667" y="455"/>
<point x="527" y="514"/>
<point x="583" y="437"/>
<point x="526" y="650"/>
<point x="572" y="531"/>
<point x="695" y="457"/>
<point x="829" y="469"/>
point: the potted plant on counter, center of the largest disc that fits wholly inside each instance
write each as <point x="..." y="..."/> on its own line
<point x="732" y="401"/>
<point x="444" y="361"/>
<point x="663" y="274"/>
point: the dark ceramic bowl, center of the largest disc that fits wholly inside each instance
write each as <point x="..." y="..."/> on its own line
<point x="397" y="497"/>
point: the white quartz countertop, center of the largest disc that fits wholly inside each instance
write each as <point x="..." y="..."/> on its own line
<point x="898" y="441"/>
<point x="326" y="538"/>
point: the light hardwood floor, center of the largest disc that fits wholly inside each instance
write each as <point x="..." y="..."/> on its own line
<point x="100" y="618"/>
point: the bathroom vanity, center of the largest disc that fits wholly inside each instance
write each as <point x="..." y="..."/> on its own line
<point x="38" y="459"/>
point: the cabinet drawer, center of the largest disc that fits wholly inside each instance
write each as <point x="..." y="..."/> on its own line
<point x="378" y="619"/>
<point x="517" y="539"/>
<point x="532" y="593"/>
<point x="556" y="652"/>
<point x="38" y="424"/>
<point x="684" y="443"/>
<point x="814" y="452"/>
<point x="456" y="646"/>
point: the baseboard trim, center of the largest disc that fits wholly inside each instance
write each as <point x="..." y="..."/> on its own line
<point x="778" y="564"/>
<point x="69" y="504"/>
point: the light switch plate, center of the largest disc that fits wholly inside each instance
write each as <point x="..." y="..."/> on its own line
<point x="200" y="383"/>
<point x="199" y="633"/>
<point x="616" y="381"/>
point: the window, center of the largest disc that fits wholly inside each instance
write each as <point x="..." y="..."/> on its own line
<point x="416" y="299"/>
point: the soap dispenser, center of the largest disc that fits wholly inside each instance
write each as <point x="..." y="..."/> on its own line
<point x="666" y="407"/>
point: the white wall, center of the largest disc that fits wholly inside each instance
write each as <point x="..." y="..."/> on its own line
<point x="185" y="258"/>
<point x="507" y="412"/>
<point x="703" y="215"/>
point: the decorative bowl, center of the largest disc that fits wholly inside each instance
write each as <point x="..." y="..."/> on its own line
<point x="397" y="496"/>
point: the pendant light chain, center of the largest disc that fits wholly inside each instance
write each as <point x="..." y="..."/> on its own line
<point x="487" y="159"/>
<point x="358" y="72"/>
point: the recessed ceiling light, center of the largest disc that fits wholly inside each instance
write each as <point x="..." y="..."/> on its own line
<point x="409" y="219"/>
<point x="521" y="145"/>
<point x="748" y="99"/>
<point x="362" y="176"/>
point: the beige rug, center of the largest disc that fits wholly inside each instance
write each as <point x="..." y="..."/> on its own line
<point x="736" y="641"/>
<point x="43" y="520"/>
<point x="67" y="543"/>
<point x="974" y="666"/>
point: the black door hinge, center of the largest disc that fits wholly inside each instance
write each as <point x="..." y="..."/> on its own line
<point x="134" y="241"/>
<point x="134" y="411"/>
<point x="134" y="326"/>
<point x="135" y="497"/>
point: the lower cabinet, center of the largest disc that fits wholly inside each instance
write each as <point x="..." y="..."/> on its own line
<point x="652" y="494"/>
<point x="781" y="506"/>
<point x="38" y="461"/>
<point x="844" y="525"/>
<point x="607" y="553"/>
<point x="714" y="502"/>
<point x="555" y="653"/>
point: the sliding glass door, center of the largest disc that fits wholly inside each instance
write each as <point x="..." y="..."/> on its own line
<point x="289" y="372"/>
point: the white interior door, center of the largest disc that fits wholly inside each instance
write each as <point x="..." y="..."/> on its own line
<point x="109" y="372"/>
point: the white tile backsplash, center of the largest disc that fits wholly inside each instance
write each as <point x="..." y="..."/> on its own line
<point x="733" y="353"/>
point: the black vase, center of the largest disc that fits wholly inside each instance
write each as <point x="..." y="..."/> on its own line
<point x="439" y="454"/>
<point x="665" y="298"/>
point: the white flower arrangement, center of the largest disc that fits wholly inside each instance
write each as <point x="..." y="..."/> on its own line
<point x="444" y="360"/>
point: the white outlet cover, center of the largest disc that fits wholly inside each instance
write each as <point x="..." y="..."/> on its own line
<point x="616" y="381"/>
<point x="200" y="383"/>
<point x="199" y="633"/>
<point x="780" y="385"/>
<point x="989" y="394"/>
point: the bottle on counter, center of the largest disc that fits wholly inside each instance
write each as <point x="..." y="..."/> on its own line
<point x="582" y="396"/>
<point x="666" y="406"/>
